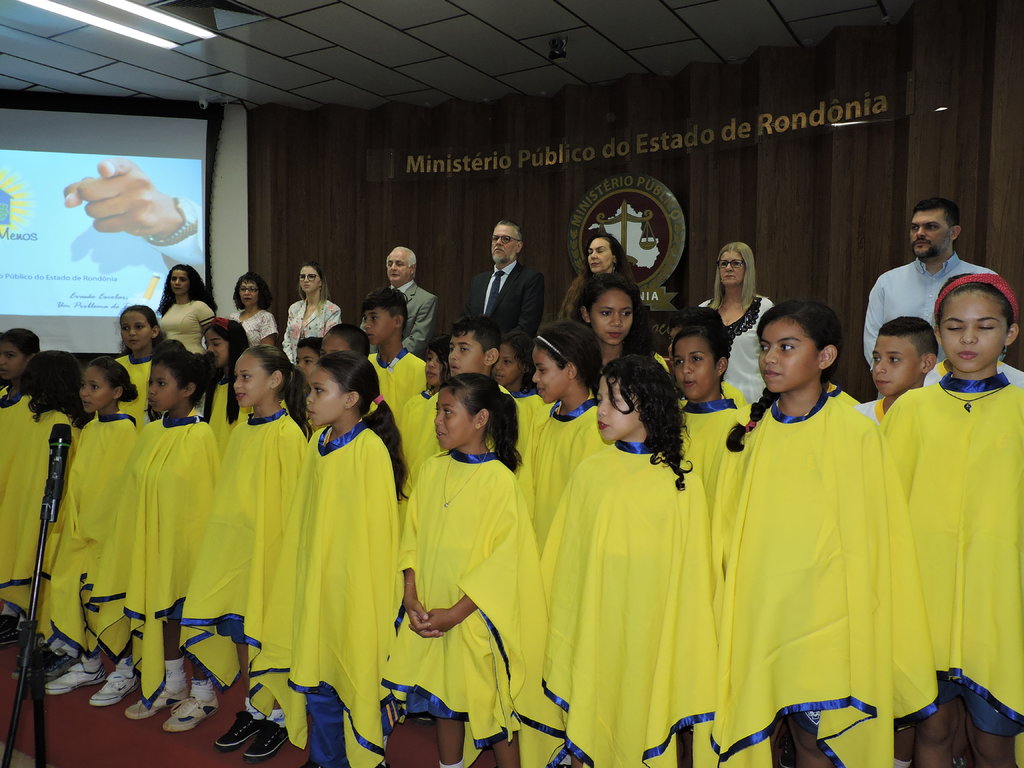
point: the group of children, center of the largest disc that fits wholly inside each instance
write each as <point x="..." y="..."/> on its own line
<point x="563" y="548"/>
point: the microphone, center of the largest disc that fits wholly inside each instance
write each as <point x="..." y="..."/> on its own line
<point x="60" y="444"/>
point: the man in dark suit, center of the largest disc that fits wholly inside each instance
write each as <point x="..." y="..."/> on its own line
<point x="511" y="294"/>
<point x="420" y="303"/>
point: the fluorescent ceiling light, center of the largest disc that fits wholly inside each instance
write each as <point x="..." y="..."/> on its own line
<point x="161" y="18"/>
<point x="99" y="21"/>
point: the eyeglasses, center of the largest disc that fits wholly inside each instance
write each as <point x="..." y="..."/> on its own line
<point x="734" y="263"/>
<point x="308" y="277"/>
<point x="505" y="239"/>
<point x="250" y="289"/>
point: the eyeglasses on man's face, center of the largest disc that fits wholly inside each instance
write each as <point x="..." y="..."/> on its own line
<point x="503" y="239"/>
<point x="734" y="263"/>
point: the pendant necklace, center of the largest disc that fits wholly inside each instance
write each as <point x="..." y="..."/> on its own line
<point x="967" y="401"/>
<point x="444" y="490"/>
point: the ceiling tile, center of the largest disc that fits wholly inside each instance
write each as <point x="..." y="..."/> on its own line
<point x="250" y="90"/>
<point x="150" y="83"/>
<point x="813" y="31"/>
<point x="403" y="14"/>
<point x="357" y="70"/>
<point x="34" y="20"/>
<point x="238" y="57"/>
<point x="472" y="41"/>
<point x="42" y="89"/>
<point x="670" y="59"/>
<point x="141" y="54"/>
<point x="334" y="92"/>
<point x="531" y="18"/>
<point x="801" y="9"/>
<point x="897" y="9"/>
<point x="427" y="98"/>
<point x="589" y="56"/>
<point x="281" y="8"/>
<point x="57" y="78"/>
<point x="13" y="84"/>
<point x="277" y="37"/>
<point x="634" y="24"/>
<point x="363" y="34"/>
<point x="542" y="81"/>
<point x="45" y="51"/>
<point x="734" y="29"/>
<point x="456" y="78"/>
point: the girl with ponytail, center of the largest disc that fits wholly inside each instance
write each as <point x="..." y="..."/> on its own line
<point x="228" y="595"/>
<point x="821" y="623"/>
<point x="631" y="541"/>
<point x="225" y="341"/>
<point x="474" y="620"/>
<point x="329" y="621"/>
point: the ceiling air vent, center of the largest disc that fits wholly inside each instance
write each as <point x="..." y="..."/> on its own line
<point x="213" y="14"/>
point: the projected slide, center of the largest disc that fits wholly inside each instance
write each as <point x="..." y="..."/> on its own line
<point x="57" y="261"/>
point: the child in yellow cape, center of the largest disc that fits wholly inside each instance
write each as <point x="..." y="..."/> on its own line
<point x="631" y="646"/>
<point x="225" y="341"/>
<point x="94" y="483"/>
<point x="470" y="648"/>
<point x="230" y="587"/>
<point x="959" y="447"/>
<point x="820" y="610"/>
<point x="140" y="335"/>
<point x="419" y="442"/>
<point x="331" y="619"/>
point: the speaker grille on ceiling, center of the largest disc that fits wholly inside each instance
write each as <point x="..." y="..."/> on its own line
<point x="213" y="14"/>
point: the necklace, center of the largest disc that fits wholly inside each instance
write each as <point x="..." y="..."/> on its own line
<point x="967" y="401"/>
<point x="444" y="490"/>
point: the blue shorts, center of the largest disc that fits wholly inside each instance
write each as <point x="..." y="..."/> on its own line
<point x="808" y="720"/>
<point x="984" y="716"/>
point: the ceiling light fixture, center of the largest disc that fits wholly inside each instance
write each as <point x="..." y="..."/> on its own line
<point x="161" y="18"/>
<point x="99" y="21"/>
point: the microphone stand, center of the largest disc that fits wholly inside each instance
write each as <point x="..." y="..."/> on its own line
<point x="30" y="663"/>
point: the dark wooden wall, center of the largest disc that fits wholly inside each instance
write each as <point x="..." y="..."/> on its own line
<point x="825" y="212"/>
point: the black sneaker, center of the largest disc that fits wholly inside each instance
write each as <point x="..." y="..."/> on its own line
<point x="8" y="630"/>
<point x="266" y="744"/>
<point x="56" y="665"/>
<point x="246" y="726"/>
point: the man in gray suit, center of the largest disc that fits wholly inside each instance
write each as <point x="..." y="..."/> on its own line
<point x="421" y="304"/>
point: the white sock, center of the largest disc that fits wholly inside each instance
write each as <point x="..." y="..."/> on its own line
<point x="126" y="666"/>
<point x="174" y="674"/>
<point x="8" y="610"/>
<point x="203" y="690"/>
<point x="277" y="716"/>
<point x="59" y="646"/>
<point x="256" y="714"/>
<point x="91" y="663"/>
<point x="460" y="764"/>
<point x="897" y="763"/>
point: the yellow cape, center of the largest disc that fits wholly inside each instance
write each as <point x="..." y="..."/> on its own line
<point x="819" y="598"/>
<point x="400" y="380"/>
<point x="139" y="375"/>
<point x="705" y="428"/>
<point x="239" y="552"/>
<point x="219" y="416"/>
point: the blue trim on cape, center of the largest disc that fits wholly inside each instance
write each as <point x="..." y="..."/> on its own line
<point x="472" y="458"/>
<point x="958" y="677"/>
<point x="391" y="366"/>
<point x="341" y="441"/>
<point x="138" y="360"/>
<point x="974" y="386"/>
<point x="182" y="422"/>
<point x="520" y="395"/>
<point x="834" y="391"/>
<point x="116" y="417"/>
<point x="575" y="413"/>
<point x="255" y="421"/>
<point x="627" y="446"/>
<point x="7" y="400"/>
<point x="326" y="689"/>
<point x="711" y="406"/>
<point x="426" y="395"/>
<point x="782" y="418"/>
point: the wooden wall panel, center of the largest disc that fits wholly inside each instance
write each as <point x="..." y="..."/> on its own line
<point x="825" y="211"/>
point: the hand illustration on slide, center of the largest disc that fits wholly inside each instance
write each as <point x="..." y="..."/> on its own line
<point x="123" y="199"/>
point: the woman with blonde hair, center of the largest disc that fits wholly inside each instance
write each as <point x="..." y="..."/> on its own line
<point x="312" y="314"/>
<point x="736" y="299"/>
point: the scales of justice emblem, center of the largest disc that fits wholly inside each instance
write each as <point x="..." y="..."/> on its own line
<point x="645" y="217"/>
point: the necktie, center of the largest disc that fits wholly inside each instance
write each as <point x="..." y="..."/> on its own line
<point x="492" y="296"/>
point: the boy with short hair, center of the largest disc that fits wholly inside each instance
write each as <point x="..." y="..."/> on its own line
<point x="307" y="352"/>
<point x="400" y="372"/>
<point x="905" y="351"/>
<point x="345" y="337"/>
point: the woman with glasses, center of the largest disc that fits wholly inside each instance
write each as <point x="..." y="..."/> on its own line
<point x="313" y="314"/>
<point x="252" y="300"/>
<point x="736" y="300"/>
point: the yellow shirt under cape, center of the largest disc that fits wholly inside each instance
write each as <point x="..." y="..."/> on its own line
<point x="964" y="474"/>
<point x="94" y="483"/>
<point x="819" y="598"/>
<point x="227" y="596"/>
<point x="467" y="532"/>
<point x="562" y="442"/>
<point x="331" y="619"/>
<point x="631" y="646"/>
<point x="399" y="380"/>
<point x="138" y="373"/>
<point x="172" y="480"/>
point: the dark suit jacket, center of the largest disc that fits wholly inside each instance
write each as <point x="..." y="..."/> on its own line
<point x="520" y="303"/>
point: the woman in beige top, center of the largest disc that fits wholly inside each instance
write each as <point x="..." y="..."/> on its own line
<point x="186" y="308"/>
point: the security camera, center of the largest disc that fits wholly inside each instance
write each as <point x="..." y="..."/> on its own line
<point x="203" y="102"/>
<point x="557" y="45"/>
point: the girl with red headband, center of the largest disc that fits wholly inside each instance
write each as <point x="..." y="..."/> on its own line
<point x="959" y="447"/>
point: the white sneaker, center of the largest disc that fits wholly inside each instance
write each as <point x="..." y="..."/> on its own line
<point x="190" y="713"/>
<point x="75" y="677"/>
<point x="166" y="700"/>
<point x="118" y="686"/>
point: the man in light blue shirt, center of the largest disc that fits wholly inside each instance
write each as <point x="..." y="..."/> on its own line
<point x="911" y="290"/>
